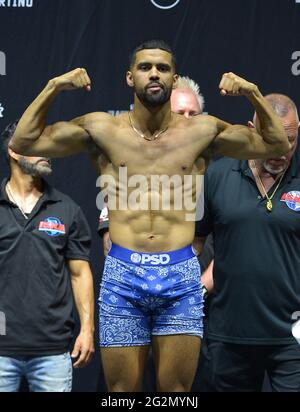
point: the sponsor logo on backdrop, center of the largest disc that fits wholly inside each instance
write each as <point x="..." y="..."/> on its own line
<point x="1" y="110"/>
<point x="16" y="3"/>
<point x="117" y="112"/>
<point x="165" y="4"/>
<point x="296" y="64"/>
<point x="2" y="64"/>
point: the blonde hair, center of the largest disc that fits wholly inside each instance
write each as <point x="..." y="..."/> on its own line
<point x="184" y="82"/>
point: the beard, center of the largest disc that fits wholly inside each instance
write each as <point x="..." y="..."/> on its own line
<point x="154" y="99"/>
<point x="274" y="169"/>
<point x="35" y="169"/>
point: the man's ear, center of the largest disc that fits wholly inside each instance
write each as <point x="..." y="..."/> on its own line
<point x="129" y="78"/>
<point x="175" y="81"/>
<point x="251" y="124"/>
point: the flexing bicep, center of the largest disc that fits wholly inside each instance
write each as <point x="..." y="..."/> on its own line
<point x="242" y="142"/>
<point x="57" y="140"/>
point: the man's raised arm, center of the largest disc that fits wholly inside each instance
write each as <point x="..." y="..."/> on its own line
<point x="33" y="138"/>
<point x="243" y="142"/>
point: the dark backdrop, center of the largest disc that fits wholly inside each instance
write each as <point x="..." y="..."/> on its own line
<point x="39" y="39"/>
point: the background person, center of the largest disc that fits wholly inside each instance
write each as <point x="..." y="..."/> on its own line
<point x="44" y="258"/>
<point x="252" y="208"/>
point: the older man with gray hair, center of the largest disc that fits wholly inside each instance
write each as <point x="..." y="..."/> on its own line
<point x="253" y="209"/>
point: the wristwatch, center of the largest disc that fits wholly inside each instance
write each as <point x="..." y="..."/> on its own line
<point x="204" y="292"/>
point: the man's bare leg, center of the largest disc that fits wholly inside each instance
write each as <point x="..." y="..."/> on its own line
<point x="176" y="360"/>
<point x="124" y="367"/>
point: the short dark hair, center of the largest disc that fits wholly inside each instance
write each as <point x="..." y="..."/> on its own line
<point x="6" y="136"/>
<point x="152" y="44"/>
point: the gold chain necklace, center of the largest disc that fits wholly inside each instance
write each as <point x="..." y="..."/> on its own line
<point x="9" y="191"/>
<point x="142" y="134"/>
<point x="269" y="205"/>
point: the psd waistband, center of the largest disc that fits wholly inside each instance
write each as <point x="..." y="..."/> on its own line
<point x="151" y="259"/>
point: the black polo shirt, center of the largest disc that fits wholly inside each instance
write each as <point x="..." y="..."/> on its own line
<point x="257" y="254"/>
<point x="35" y="288"/>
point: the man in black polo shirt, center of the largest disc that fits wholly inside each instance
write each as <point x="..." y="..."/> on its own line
<point x="44" y="238"/>
<point x="253" y="209"/>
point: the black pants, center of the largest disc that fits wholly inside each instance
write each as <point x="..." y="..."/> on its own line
<point x="226" y="367"/>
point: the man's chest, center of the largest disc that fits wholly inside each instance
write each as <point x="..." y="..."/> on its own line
<point x="168" y="155"/>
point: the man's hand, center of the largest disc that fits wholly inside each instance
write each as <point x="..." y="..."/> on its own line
<point x="75" y="79"/>
<point x="106" y="243"/>
<point x="233" y="85"/>
<point x="84" y="348"/>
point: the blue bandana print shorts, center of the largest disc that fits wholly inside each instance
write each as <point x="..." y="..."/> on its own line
<point x="145" y="294"/>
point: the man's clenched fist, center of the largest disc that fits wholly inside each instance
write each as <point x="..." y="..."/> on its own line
<point x="233" y="85"/>
<point x="75" y="79"/>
